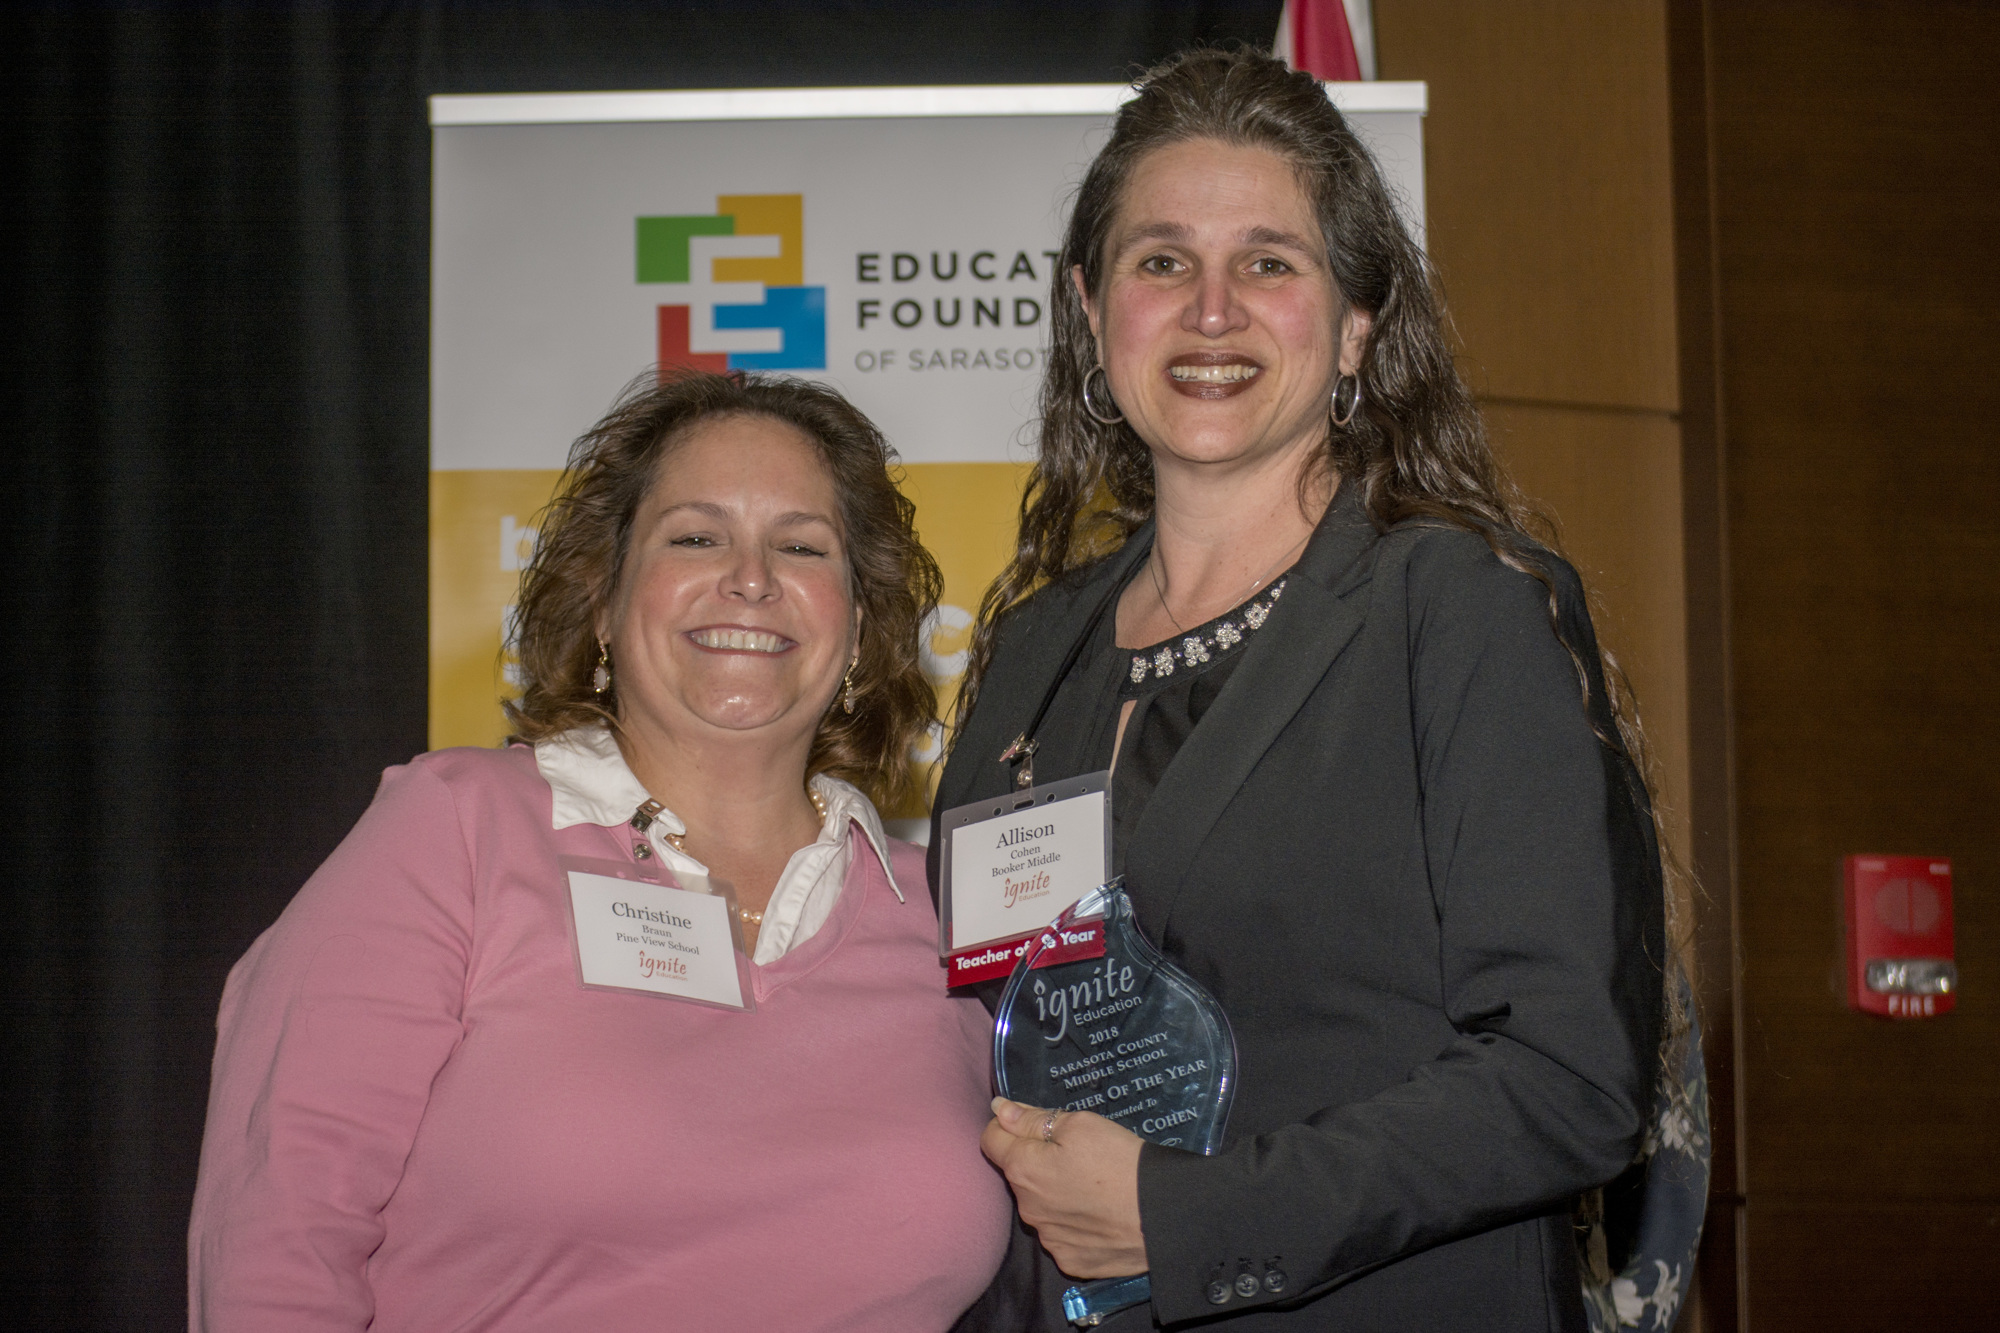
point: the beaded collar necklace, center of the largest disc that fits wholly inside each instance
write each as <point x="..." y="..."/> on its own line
<point x="1203" y="643"/>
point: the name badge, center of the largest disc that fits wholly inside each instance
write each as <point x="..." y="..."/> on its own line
<point x="635" y="934"/>
<point x="1014" y="863"/>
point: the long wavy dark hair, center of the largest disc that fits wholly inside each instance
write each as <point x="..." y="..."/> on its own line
<point x="586" y="530"/>
<point x="1417" y="446"/>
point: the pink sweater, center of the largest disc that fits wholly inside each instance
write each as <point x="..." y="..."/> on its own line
<point x="420" y="1120"/>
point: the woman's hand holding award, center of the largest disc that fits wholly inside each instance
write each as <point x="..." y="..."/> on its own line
<point x="1128" y="1036"/>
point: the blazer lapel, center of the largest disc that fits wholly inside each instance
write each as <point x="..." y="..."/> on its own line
<point x="1321" y="611"/>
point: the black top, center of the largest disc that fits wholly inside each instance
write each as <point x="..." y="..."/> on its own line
<point x="1171" y="685"/>
<point x="1427" y="895"/>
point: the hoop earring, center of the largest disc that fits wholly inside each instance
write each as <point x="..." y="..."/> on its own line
<point x="847" y="692"/>
<point x="1090" y="407"/>
<point x="600" y="679"/>
<point x="1351" y="386"/>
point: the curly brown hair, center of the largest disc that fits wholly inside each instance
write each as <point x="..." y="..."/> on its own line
<point x="586" y="529"/>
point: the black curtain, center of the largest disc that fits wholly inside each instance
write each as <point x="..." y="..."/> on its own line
<point x="214" y="254"/>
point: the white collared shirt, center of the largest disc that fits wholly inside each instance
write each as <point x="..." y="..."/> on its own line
<point x="592" y="784"/>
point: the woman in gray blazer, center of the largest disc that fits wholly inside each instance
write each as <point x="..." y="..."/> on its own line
<point x="1371" y="784"/>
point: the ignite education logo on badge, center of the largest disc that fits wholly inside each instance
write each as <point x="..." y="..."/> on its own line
<point x="733" y="286"/>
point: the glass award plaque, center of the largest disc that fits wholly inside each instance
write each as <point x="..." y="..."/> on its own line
<point x="1128" y="1036"/>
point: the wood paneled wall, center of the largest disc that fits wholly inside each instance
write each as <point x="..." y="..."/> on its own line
<point x="1854" y="160"/>
<point x="1727" y="285"/>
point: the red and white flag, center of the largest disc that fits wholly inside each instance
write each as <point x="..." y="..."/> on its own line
<point x="1327" y="39"/>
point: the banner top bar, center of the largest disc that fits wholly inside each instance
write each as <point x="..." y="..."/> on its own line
<point x="1027" y="99"/>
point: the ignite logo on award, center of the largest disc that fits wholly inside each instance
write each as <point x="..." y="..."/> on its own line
<point x="734" y="286"/>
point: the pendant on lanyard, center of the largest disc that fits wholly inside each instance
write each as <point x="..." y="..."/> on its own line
<point x="1020" y="753"/>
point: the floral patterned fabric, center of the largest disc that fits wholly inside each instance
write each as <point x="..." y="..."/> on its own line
<point x="1639" y="1245"/>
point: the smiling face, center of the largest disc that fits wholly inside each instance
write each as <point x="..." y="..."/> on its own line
<point x="734" y="611"/>
<point x="1216" y="315"/>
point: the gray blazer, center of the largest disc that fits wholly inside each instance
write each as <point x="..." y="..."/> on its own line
<point x="1429" y="898"/>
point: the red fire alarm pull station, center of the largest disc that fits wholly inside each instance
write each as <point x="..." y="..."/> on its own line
<point x="1899" y="947"/>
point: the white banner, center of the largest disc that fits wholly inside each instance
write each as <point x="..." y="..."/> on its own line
<point x="894" y="243"/>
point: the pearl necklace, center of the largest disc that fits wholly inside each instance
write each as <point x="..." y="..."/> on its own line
<point x="643" y="817"/>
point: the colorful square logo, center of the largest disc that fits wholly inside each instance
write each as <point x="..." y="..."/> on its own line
<point x="735" y="280"/>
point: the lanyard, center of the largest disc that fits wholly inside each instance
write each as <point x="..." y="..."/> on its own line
<point x="1021" y="753"/>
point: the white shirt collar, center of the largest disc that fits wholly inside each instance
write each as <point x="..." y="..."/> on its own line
<point x="587" y="773"/>
<point x="591" y="784"/>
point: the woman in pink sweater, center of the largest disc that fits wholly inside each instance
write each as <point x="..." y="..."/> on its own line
<point x="517" y="1058"/>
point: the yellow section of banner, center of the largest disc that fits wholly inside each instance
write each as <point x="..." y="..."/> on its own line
<point x="966" y="515"/>
<point x="483" y="533"/>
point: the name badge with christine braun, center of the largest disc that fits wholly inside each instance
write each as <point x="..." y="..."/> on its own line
<point x="634" y="933"/>
<point x="1013" y="864"/>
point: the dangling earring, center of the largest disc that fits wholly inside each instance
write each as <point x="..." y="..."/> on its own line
<point x="1350" y="385"/>
<point x="847" y="693"/>
<point x="600" y="679"/>
<point x="1090" y="407"/>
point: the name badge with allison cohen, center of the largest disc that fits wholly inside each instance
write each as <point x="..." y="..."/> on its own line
<point x="1127" y="1035"/>
<point x="636" y="933"/>
<point x="1011" y="865"/>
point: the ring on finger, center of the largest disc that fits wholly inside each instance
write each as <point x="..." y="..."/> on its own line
<point x="1049" y="1127"/>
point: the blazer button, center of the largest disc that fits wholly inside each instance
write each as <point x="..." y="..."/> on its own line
<point x="1246" y="1284"/>
<point x="1274" y="1280"/>
<point x="1219" y="1292"/>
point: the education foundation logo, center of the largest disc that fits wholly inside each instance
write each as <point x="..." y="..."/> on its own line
<point x="733" y="285"/>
